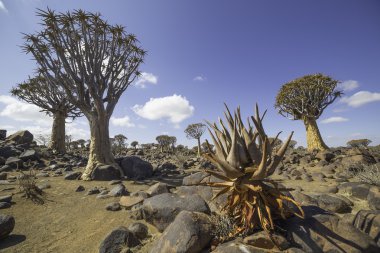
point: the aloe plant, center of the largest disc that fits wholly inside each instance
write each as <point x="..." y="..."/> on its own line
<point x="245" y="159"/>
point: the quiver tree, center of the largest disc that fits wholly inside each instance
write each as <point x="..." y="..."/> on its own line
<point x="163" y="141"/>
<point x="51" y="99"/>
<point x="195" y="131"/>
<point x="359" y="143"/>
<point x="134" y="144"/>
<point x="305" y="99"/>
<point x="244" y="159"/>
<point x="94" y="62"/>
<point x="119" y="144"/>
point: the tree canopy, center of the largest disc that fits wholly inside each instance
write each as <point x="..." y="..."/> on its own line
<point x="307" y="96"/>
<point x="195" y="131"/>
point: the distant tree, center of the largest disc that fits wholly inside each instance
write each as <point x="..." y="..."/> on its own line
<point x="180" y="148"/>
<point x="195" y="131"/>
<point x="94" y="63"/>
<point x="172" y="142"/>
<point x="305" y="99"/>
<point x="292" y="144"/>
<point x="275" y="142"/>
<point x="68" y="140"/>
<point x="205" y="147"/>
<point x="134" y="144"/>
<point x="120" y="144"/>
<point x="81" y="143"/>
<point x="43" y="139"/>
<point x="163" y="141"/>
<point x="52" y="100"/>
<point x="359" y="143"/>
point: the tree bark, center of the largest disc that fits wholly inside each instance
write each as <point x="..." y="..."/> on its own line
<point x="313" y="136"/>
<point x="199" y="147"/>
<point x="58" y="132"/>
<point x="100" y="146"/>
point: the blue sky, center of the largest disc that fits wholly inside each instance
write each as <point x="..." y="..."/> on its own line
<point x="204" y="53"/>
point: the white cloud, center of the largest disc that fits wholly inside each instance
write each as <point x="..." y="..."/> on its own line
<point x="23" y="112"/>
<point x="146" y="78"/>
<point x="2" y="7"/>
<point x="348" y="85"/>
<point x="334" y="120"/>
<point x="176" y="108"/>
<point x="199" y="78"/>
<point x="123" y="122"/>
<point x="361" y="98"/>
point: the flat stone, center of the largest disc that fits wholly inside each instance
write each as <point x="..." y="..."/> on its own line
<point x="129" y="201"/>
<point x="6" y="198"/>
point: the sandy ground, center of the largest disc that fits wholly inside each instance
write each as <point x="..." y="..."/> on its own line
<point x="68" y="221"/>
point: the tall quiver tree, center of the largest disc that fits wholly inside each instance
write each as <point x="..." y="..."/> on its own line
<point x="94" y="62"/>
<point x="51" y="99"/>
<point x="195" y="131"/>
<point x="305" y="99"/>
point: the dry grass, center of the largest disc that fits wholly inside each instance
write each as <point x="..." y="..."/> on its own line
<point x="368" y="174"/>
<point x="27" y="185"/>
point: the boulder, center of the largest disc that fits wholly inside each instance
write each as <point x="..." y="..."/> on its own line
<point x="369" y="223"/>
<point x="262" y="240"/>
<point x="21" y="137"/>
<point x="130" y="201"/>
<point x="7" y="224"/>
<point x="355" y="189"/>
<point x="73" y="175"/>
<point x="8" y="151"/>
<point x="238" y="247"/>
<point x="136" y="168"/>
<point x="333" y="203"/>
<point x="118" y="190"/>
<point x="158" y="188"/>
<point x="373" y="198"/>
<point x="105" y="173"/>
<point x="29" y="154"/>
<point x="140" y="230"/>
<point x="358" y="156"/>
<point x="325" y="156"/>
<point x="204" y="191"/>
<point x="117" y="239"/>
<point x="14" y="162"/>
<point x="161" y="210"/>
<point x="321" y="231"/>
<point x="190" y="232"/>
<point x="115" y="206"/>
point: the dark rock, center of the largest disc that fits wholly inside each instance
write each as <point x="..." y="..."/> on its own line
<point x="14" y="162"/>
<point x="80" y="188"/>
<point x="113" y="182"/>
<point x="4" y="205"/>
<point x="324" y="232"/>
<point x="106" y="173"/>
<point x="3" y="175"/>
<point x="93" y="191"/>
<point x="113" y="207"/>
<point x="7" y="198"/>
<point x="189" y="232"/>
<point x="8" y="151"/>
<point x="162" y="209"/>
<point x="29" y="154"/>
<point x="140" y="230"/>
<point x="369" y="223"/>
<point x="333" y="203"/>
<point x="117" y="239"/>
<point x="136" y="168"/>
<point x="325" y="156"/>
<point x="7" y="224"/>
<point x="21" y="137"/>
<point x="118" y="190"/>
<point x="358" y="156"/>
<point x="5" y="168"/>
<point x="157" y="188"/>
<point x="73" y="175"/>
<point x="355" y="189"/>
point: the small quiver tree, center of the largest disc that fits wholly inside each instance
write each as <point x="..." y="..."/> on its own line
<point x="94" y="63"/>
<point x="53" y="100"/>
<point x="244" y="159"/>
<point x="305" y="99"/>
<point x="134" y="144"/>
<point x="163" y="141"/>
<point x="195" y="131"/>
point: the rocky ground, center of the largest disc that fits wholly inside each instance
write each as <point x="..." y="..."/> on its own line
<point x="157" y="208"/>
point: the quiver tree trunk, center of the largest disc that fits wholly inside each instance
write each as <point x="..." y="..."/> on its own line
<point x="58" y="132"/>
<point x="199" y="147"/>
<point x="313" y="136"/>
<point x="100" y="146"/>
